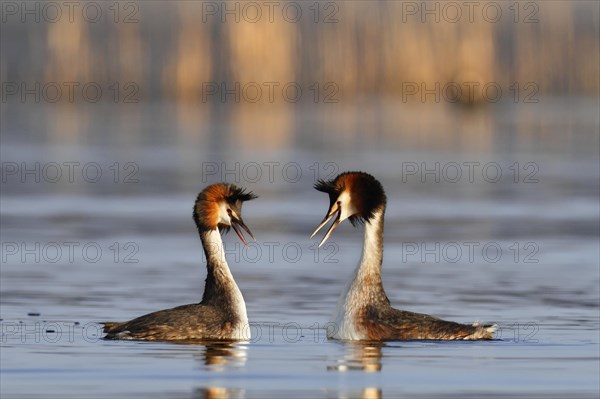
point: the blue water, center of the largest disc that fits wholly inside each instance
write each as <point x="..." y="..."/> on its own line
<point x="522" y="251"/>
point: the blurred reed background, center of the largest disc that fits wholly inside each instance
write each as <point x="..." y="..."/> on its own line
<point x="366" y="47"/>
<point x="369" y="50"/>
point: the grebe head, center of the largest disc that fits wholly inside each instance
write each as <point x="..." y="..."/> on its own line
<point x="220" y="206"/>
<point x="352" y="195"/>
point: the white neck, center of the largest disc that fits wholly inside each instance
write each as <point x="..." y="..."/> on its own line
<point x="220" y="278"/>
<point x="365" y="284"/>
<point x="214" y="250"/>
<point x="372" y="255"/>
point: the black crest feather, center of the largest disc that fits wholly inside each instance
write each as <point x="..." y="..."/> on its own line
<point x="326" y="186"/>
<point x="366" y="192"/>
<point x="239" y="194"/>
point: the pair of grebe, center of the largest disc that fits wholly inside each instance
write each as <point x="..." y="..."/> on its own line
<point x="363" y="311"/>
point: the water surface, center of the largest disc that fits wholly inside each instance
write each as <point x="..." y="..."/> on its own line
<point x="441" y="257"/>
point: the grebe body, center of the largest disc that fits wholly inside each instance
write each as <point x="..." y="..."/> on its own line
<point x="363" y="311"/>
<point x="221" y="315"/>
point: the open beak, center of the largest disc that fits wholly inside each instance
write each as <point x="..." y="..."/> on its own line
<point x="335" y="210"/>
<point x="236" y="223"/>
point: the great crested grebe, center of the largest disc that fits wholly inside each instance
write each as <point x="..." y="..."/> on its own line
<point x="363" y="311"/>
<point x="222" y="312"/>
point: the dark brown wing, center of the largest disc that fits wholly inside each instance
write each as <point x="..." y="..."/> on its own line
<point x="187" y="322"/>
<point x="389" y="324"/>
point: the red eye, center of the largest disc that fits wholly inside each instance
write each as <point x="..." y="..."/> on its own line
<point x="229" y="211"/>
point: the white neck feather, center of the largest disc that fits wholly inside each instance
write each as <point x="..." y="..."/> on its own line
<point x="372" y="254"/>
<point x="215" y="252"/>
<point x="355" y="292"/>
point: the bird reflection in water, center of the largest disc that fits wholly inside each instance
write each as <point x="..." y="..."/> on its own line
<point x="362" y="356"/>
<point x="221" y="356"/>
<point x="218" y="393"/>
